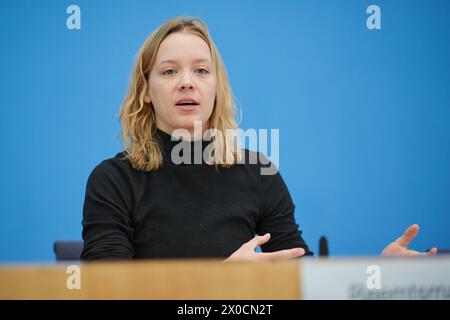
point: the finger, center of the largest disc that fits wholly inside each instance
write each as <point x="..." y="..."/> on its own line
<point x="409" y="234"/>
<point x="259" y="240"/>
<point x="282" y="254"/>
<point x="414" y="253"/>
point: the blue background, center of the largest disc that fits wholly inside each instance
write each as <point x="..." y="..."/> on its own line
<point x="363" y="114"/>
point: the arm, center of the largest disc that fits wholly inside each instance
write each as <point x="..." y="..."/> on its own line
<point x="281" y="239"/>
<point x="107" y="227"/>
<point x="277" y="216"/>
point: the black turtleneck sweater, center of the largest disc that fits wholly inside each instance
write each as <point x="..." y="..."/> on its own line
<point x="184" y="210"/>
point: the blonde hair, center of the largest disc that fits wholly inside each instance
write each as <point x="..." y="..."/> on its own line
<point x="137" y="117"/>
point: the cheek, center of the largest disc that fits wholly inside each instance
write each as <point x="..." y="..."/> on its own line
<point x="159" y="91"/>
<point x="212" y="88"/>
<point x="212" y="91"/>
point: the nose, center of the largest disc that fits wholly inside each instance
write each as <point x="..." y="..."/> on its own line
<point x="186" y="82"/>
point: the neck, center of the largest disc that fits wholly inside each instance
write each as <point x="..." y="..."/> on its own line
<point x="191" y="149"/>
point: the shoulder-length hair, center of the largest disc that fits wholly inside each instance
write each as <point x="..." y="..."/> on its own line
<point x="137" y="117"/>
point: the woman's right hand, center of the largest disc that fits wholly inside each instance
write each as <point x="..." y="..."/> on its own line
<point x="247" y="252"/>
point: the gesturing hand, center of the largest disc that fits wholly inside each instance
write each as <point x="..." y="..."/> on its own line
<point x="398" y="248"/>
<point x="247" y="251"/>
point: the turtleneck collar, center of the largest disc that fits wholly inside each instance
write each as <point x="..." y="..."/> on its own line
<point x="169" y="142"/>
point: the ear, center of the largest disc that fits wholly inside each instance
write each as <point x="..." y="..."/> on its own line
<point x="147" y="97"/>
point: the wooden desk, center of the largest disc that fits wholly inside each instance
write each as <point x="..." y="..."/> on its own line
<point x="193" y="279"/>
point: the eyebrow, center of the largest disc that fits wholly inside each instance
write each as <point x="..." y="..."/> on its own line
<point x="174" y="61"/>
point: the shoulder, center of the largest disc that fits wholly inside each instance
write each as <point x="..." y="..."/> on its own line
<point x="111" y="165"/>
<point x="259" y="162"/>
<point x="117" y="168"/>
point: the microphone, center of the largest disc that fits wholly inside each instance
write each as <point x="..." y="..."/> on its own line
<point x="323" y="247"/>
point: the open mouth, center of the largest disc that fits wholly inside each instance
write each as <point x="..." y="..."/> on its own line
<point x="187" y="104"/>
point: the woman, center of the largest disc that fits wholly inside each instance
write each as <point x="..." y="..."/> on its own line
<point x="146" y="203"/>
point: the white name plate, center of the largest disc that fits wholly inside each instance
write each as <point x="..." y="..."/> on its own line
<point x="375" y="278"/>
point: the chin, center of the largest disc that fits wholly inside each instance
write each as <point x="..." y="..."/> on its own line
<point x="188" y="123"/>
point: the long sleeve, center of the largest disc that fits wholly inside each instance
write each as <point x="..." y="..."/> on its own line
<point x="183" y="211"/>
<point x="277" y="216"/>
<point x="107" y="227"/>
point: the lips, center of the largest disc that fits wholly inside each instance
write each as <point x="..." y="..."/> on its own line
<point x="187" y="102"/>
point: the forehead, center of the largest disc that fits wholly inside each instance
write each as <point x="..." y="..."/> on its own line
<point x="183" y="47"/>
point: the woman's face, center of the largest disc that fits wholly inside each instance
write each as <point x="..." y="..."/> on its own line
<point x="183" y="70"/>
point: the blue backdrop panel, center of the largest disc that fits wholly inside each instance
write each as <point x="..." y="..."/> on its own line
<point x="363" y="114"/>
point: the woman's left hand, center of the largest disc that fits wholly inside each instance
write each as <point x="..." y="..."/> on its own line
<point x="398" y="248"/>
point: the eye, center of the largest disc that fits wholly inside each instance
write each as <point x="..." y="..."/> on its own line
<point x="202" y="71"/>
<point x="167" y="72"/>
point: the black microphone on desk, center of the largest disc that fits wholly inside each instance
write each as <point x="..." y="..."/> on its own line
<point x="323" y="247"/>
